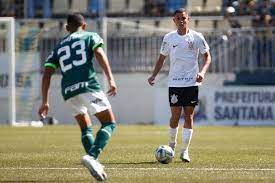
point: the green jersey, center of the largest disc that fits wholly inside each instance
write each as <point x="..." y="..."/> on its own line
<point x="74" y="56"/>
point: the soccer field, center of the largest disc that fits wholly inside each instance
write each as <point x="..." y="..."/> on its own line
<point x="218" y="154"/>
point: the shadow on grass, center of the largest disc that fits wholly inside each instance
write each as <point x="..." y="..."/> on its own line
<point x="132" y="163"/>
<point x="139" y="163"/>
<point x="43" y="181"/>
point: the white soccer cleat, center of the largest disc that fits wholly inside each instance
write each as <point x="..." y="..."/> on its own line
<point x="95" y="168"/>
<point x="185" y="157"/>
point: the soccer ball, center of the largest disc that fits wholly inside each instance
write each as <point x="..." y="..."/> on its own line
<point x="164" y="154"/>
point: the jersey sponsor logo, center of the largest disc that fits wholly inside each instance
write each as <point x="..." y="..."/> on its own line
<point x="183" y="79"/>
<point x="193" y="101"/>
<point x="174" y="98"/>
<point x="76" y="87"/>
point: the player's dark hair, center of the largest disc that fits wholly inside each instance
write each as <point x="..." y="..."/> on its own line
<point x="180" y="10"/>
<point x="75" y="20"/>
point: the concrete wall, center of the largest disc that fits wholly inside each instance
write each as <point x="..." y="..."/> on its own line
<point x="135" y="102"/>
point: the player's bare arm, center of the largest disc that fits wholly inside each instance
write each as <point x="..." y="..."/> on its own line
<point x="207" y="61"/>
<point x="104" y="63"/>
<point x="157" y="68"/>
<point x="46" y="80"/>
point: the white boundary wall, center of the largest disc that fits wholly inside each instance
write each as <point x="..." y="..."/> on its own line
<point x="238" y="105"/>
<point x="137" y="102"/>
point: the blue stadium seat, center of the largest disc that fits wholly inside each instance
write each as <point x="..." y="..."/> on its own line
<point x="172" y="5"/>
<point x="94" y="6"/>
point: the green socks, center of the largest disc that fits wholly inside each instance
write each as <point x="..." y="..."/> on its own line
<point x="87" y="138"/>
<point x="102" y="137"/>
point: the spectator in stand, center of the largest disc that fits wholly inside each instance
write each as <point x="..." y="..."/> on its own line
<point x="252" y="8"/>
<point x="229" y="15"/>
<point x="1" y="8"/>
<point x="225" y="4"/>
<point x="272" y="24"/>
<point x="241" y="8"/>
<point x="263" y="7"/>
<point x="154" y="7"/>
<point x="263" y="17"/>
<point x="8" y="8"/>
<point x="272" y="9"/>
<point x="34" y="5"/>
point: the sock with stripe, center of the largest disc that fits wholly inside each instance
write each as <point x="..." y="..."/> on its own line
<point x="87" y="138"/>
<point x="102" y="137"/>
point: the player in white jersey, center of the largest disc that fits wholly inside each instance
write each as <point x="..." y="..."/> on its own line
<point x="183" y="47"/>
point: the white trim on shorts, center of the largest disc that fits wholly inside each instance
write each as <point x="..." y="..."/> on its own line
<point x="91" y="102"/>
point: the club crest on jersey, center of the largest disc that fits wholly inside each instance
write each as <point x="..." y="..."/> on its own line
<point x="190" y="45"/>
<point x="174" y="99"/>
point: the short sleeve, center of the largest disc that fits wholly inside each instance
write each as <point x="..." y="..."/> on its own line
<point x="202" y="44"/>
<point x="96" y="41"/>
<point x="52" y="60"/>
<point x="164" y="49"/>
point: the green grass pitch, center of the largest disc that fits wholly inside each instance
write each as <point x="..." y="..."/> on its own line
<point x="218" y="154"/>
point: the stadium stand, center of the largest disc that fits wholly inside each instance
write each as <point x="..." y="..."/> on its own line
<point x="195" y="6"/>
<point x="212" y="5"/>
<point x="60" y="8"/>
<point x="79" y="6"/>
<point x="39" y="9"/>
<point x="116" y="6"/>
<point x="247" y="37"/>
<point x="135" y="7"/>
<point x="14" y="8"/>
<point x="172" y="5"/>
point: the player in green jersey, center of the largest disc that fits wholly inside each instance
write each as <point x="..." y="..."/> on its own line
<point x="74" y="55"/>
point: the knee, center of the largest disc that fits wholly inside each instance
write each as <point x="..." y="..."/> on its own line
<point x="174" y="119"/>
<point x="189" y="118"/>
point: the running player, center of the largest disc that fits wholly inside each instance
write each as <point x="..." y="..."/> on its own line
<point x="74" y="56"/>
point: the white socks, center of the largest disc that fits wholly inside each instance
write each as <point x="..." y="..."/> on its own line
<point x="173" y="133"/>
<point x="186" y="138"/>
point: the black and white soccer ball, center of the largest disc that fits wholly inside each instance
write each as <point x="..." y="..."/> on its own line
<point x="164" y="154"/>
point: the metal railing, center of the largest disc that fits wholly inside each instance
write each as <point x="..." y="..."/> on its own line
<point x="136" y="50"/>
<point x="243" y="49"/>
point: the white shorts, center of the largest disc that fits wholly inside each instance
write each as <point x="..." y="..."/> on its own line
<point x="91" y="103"/>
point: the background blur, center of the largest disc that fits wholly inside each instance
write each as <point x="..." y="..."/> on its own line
<point x="239" y="88"/>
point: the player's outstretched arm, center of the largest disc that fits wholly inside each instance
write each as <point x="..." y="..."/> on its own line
<point x="104" y="63"/>
<point x="157" y="68"/>
<point x="46" y="80"/>
<point x="205" y="66"/>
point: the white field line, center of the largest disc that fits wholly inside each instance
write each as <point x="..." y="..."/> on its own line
<point x="145" y="169"/>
